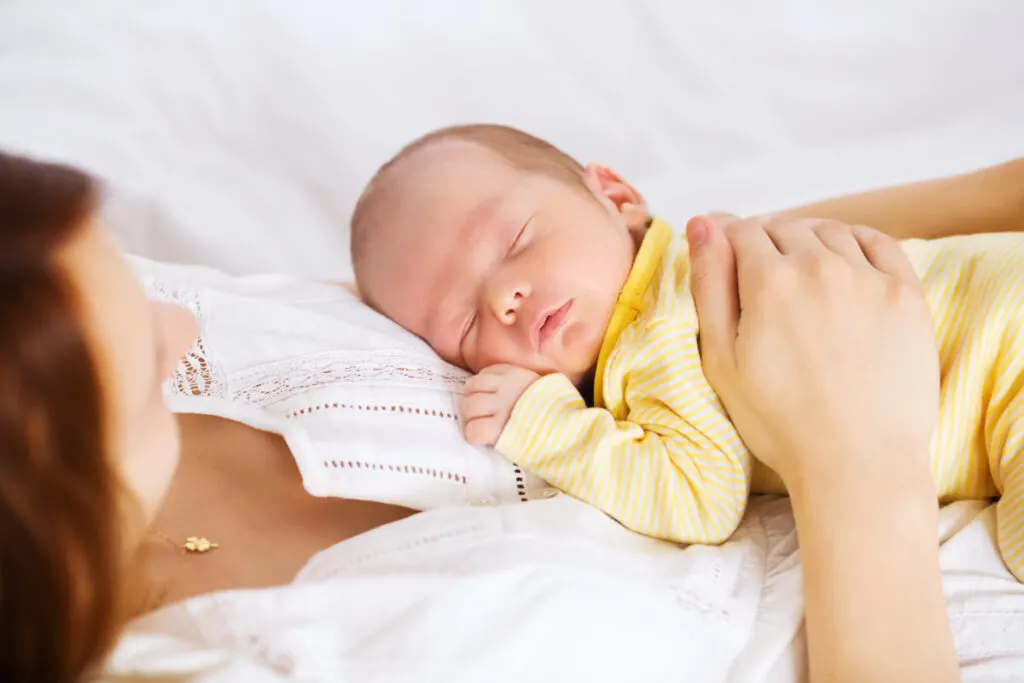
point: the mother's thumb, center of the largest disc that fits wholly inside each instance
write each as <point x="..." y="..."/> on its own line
<point x="714" y="286"/>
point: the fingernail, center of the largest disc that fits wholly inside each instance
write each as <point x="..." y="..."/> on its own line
<point x="697" y="231"/>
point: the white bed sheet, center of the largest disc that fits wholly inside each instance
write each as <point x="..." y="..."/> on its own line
<point x="238" y="134"/>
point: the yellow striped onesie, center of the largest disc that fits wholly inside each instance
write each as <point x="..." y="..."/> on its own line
<point x="659" y="454"/>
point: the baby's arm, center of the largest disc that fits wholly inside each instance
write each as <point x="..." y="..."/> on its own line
<point x="658" y="473"/>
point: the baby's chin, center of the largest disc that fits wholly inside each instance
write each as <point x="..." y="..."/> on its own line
<point x="575" y="372"/>
<point x="581" y="372"/>
<point x="574" y="356"/>
<point x="583" y="350"/>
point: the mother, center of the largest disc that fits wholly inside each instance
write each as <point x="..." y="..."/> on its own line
<point x="90" y="451"/>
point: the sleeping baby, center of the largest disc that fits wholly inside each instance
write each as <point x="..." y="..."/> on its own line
<point x="551" y="282"/>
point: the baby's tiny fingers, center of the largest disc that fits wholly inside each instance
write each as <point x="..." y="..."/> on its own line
<point x="485" y="382"/>
<point x="478" y="405"/>
<point x="482" y="431"/>
<point x="499" y="369"/>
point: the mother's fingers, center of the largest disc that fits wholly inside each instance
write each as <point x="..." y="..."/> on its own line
<point x="723" y="219"/>
<point x="815" y="236"/>
<point x="757" y="257"/>
<point x="886" y="255"/>
<point x="839" y="238"/>
<point x="714" y="287"/>
<point x="793" y="238"/>
<point x="750" y="241"/>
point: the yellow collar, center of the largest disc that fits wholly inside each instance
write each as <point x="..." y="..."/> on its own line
<point x="631" y="299"/>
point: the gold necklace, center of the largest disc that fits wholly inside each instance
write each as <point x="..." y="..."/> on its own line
<point x="192" y="544"/>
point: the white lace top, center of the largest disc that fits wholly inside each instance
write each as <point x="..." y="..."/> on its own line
<point x="368" y="410"/>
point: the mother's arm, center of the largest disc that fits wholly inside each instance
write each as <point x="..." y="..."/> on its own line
<point x="989" y="200"/>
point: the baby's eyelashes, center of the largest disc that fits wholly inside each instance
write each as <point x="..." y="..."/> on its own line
<point x="519" y="240"/>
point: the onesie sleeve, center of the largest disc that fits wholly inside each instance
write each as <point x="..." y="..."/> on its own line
<point x="674" y="468"/>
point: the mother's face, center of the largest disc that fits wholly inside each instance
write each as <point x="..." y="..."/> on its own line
<point x="136" y="344"/>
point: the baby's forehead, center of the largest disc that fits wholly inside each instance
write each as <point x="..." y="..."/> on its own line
<point x="443" y="184"/>
<point x="451" y="163"/>
<point x="420" y="202"/>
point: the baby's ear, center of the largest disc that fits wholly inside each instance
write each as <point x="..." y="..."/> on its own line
<point x="609" y="186"/>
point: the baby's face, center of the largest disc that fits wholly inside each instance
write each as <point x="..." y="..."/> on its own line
<point x="491" y="265"/>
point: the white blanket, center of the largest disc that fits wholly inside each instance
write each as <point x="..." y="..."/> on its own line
<point x="554" y="591"/>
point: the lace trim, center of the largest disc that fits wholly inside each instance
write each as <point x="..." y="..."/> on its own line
<point x="374" y="408"/>
<point x="270" y="383"/>
<point x="280" y="380"/>
<point x="194" y="375"/>
<point x="186" y="297"/>
<point x="520" y="484"/>
<point x="395" y="469"/>
<point x="332" y="568"/>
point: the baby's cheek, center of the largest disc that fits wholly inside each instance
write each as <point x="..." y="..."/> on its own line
<point x="580" y="345"/>
<point x="496" y="350"/>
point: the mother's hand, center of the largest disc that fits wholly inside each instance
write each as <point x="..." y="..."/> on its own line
<point x="817" y="338"/>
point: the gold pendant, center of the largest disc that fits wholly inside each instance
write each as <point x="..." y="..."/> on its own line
<point x="198" y="544"/>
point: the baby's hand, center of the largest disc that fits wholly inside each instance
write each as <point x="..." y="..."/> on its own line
<point x="489" y="400"/>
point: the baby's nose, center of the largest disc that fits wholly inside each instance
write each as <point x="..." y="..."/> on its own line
<point x="509" y="306"/>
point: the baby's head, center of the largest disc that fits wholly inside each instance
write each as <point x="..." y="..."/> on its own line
<point x="497" y="247"/>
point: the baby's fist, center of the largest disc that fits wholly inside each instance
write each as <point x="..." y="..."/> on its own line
<point x="489" y="400"/>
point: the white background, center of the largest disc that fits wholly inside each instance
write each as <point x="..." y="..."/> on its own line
<point x="238" y="133"/>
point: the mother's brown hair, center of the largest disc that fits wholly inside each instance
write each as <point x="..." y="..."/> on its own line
<point x="61" y="551"/>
